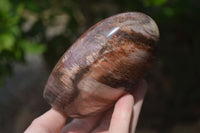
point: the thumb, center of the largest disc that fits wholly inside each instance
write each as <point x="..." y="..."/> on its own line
<point x="50" y="122"/>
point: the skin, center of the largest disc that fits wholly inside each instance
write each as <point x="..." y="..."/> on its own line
<point x="120" y="119"/>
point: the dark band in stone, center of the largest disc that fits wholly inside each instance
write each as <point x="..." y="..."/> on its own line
<point x="49" y="97"/>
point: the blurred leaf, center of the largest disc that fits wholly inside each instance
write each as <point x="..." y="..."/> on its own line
<point x="148" y="3"/>
<point x="18" y="54"/>
<point x="32" y="47"/>
<point x="15" y="30"/>
<point x="169" y="12"/>
<point x="33" y="5"/>
<point x="7" y="41"/>
<point x="5" y="5"/>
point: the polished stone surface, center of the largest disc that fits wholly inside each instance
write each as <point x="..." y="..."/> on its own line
<point x="103" y="64"/>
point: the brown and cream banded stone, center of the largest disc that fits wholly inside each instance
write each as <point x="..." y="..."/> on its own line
<point x="102" y="65"/>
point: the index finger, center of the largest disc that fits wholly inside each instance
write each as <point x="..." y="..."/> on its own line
<point x="121" y="116"/>
<point x="50" y="122"/>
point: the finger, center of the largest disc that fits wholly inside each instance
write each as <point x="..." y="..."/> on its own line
<point x="120" y="120"/>
<point x="84" y="125"/>
<point x="50" y="122"/>
<point x="138" y="94"/>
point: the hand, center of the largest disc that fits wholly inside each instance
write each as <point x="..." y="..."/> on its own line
<point x="123" y="119"/>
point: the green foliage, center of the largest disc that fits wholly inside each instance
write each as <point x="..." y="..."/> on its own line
<point x="7" y="41"/>
<point x="32" y="47"/>
<point x="13" y="44"/>
<point x="148" y="3"/>
<point x="5" y="6"/>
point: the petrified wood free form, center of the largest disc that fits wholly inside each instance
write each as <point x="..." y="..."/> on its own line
<point x="102" y="65"/>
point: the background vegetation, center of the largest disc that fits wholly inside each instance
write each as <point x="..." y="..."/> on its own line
<point x="49" y="27"/>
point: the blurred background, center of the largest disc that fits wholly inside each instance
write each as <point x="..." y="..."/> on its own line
<point x="35" y="33"/>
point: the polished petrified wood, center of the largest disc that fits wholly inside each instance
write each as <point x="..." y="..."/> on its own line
<point x="102" y="65"/>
